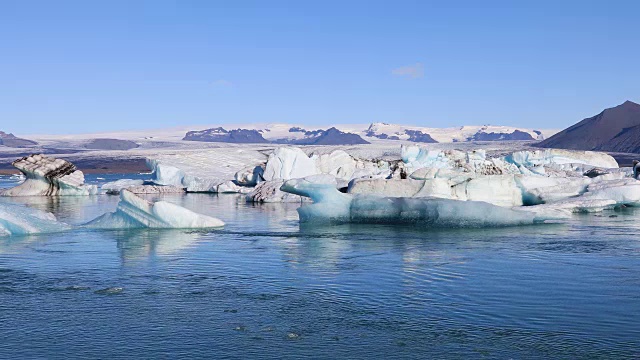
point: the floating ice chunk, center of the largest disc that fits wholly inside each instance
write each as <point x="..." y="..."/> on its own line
<point x="165" y="174"/>
<point x="136" y="212"/>
<point x="22" y="220"/>
<point x="193" y="183"/>
<point x="416" y="157"/>
<point x="623" y="192"/>
<point x="332" y="206"/>
<point x="388" y="187"/>
<point x="537" y="158"/>
<point x="581" y="204"/>
<point x="501" y="190"/>
<point x="155" y="189"/>
<point x="250" y="176"/>
<point x="289" y="163"/>
<point x="435" y="173"/>
<point x="337" y="163"/>
<point x="114" y="187"/>
<point x="562" y="189"/>
<point x="231" y="187"/>
<point x="46" y="176"/>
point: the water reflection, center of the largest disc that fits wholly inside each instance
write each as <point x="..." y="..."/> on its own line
<point x="144" y="243"/>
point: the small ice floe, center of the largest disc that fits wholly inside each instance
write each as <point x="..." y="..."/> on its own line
<point x="136" y="212"/>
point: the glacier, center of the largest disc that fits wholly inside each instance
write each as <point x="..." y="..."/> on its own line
<point x="204" y="170"/>
<point x="135" y="212"/>
<point x="47" y="176"/>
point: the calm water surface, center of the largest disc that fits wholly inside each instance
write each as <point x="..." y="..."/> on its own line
<point x="265" y="288"/>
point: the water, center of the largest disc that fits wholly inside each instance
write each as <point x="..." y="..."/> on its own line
<point x="264" y="288"/>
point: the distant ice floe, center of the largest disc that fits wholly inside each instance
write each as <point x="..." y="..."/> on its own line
<point x="46" y="176"/>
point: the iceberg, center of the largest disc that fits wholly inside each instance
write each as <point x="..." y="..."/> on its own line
<point x="46" y="176"/>
<point x="293" y="163"/>
<point x="114" y="187"/>
<point x="538" y="162"/>
<point x="476" y="161"/>
<point x="532" y="159"/>
<point x="623" y="191"/>
<point x="331" y="206"/>
<point x="501" y="190"/>
<point x="21" y="220"/>
<point x="155" y="189"/>
<point x="136" y="212"/>
<point x="289" y="163"/>
<point x="249" y="176"/>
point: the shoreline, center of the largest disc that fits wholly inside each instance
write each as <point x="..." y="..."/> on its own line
<point x="96" y="165"/>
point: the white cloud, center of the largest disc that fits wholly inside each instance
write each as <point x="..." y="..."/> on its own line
<point x="222" y="83"/>
<point x="414" y="71"/>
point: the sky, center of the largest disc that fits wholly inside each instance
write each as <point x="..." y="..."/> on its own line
<point x="90" y="66"/>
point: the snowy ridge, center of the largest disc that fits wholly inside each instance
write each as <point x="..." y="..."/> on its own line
<point x="291" y="133"/>
<point x="457" y="134"/>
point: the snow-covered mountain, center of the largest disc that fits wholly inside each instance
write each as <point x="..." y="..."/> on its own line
<point x="454" y="134"/>
<point x="361" y="134"/>
<point x="295" y="134"/>
<point x="301" y="136"/>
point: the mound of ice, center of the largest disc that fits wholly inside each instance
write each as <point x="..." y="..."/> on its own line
<point x="289" y="163"/>
<point x="22" y="220"/>
<point x="155" y="189"/>
<point x="501" y="190"/>
<point x="538" y="162"/>
<point x="46" y="176"/>
<point x="476" y="161"/>
<point x="114" y="187"/>
<point x="249" y="176"/>
<point x="332" y="206"/>
<point x="204" y="170"/>
<point x="136" y="212"/>
<point x="537" y="158"/>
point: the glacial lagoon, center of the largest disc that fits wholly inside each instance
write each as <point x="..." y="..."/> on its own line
<point x="263" y="287"/>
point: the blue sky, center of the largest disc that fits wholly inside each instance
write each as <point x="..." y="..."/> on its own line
<point x="83" y="66"/>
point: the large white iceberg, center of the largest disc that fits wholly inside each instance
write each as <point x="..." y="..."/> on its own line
<point x="331" y="206"/>
<point x="46" y="176"/>
<point x="136" y="212"/>
<point x="501" y="190"/>
<point x="292" y="163"/>
<point x="289" y="163"/>
<point x="22" y="220"/>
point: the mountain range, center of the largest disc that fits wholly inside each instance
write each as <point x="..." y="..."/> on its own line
<point x="11" y="140"/>
<point x="354" y="134"/>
